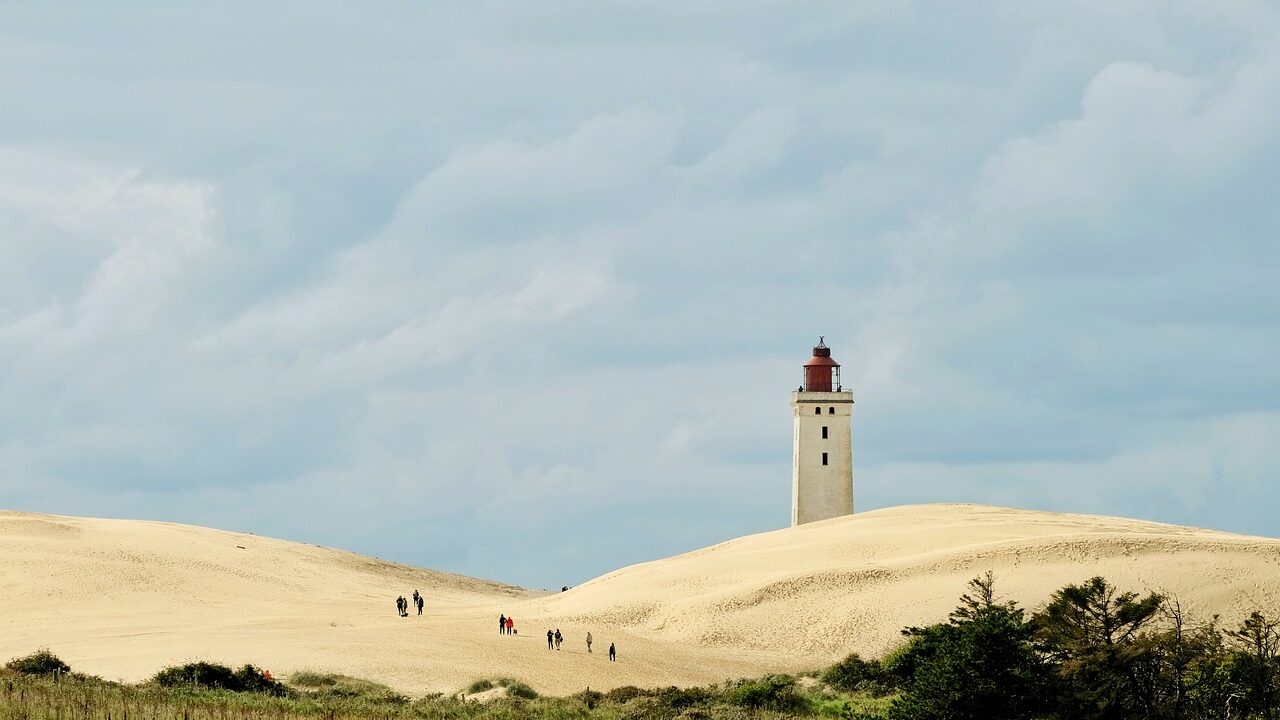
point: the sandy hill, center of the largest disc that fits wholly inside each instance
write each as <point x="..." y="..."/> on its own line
<point x="124" y="598"/>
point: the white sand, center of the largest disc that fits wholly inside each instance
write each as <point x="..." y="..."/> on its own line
<point x="122" y="599"/>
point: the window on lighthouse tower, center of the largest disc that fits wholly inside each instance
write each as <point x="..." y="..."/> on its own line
<point x="824" y="432"/>
<point x="824" y="458"/>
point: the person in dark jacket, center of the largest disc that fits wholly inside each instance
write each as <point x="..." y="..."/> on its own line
<point x="551" y="640"/>
<point x="502" y="624"/>
<point x="613" y="653"/>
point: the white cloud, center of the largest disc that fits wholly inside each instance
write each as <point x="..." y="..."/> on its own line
<point x="477" y="267"/>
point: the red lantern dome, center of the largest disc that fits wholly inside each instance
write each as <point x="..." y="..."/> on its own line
<point x="821" y="372"/>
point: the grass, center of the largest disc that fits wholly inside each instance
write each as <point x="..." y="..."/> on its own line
<point x="515" y="688"/>
<point x="337" y="697"/>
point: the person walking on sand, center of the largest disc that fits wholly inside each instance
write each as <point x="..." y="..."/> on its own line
<point x="588" y="641"/>
<point x="559" y="638"/>
<point x="400" y="606"/>
<point x="421" y="602"/>
<point x="511" y="626"/>
<point x="502" y="624"/>
<point x="551" y="640"/>
<point x="613" y="653"/>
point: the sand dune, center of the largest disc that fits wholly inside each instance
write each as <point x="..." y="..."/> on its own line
<point x="124" y="598"/>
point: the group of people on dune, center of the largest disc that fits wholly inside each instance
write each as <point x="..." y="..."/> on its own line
<point x="402" y="605"/>
<point x="506" y="626"/>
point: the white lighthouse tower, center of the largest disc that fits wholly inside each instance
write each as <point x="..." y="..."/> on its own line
<point x="822" y="461"/>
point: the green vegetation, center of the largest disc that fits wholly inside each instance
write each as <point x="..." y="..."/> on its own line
<point x="40" y="662"/>
<point x="1092" y="652"/>
<point x="212" y="676"/>
<point x="328" y="686"/>
<point x="317" y="696"/>
<point x="515" y="688"/>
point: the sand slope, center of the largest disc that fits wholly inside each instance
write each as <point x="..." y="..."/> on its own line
<point x="124" y="598"/>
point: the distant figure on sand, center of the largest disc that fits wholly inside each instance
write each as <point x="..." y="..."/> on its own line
<point x="588" y="641"/>
<point x="551" y="640"/>
<point x="415" y="596"/>
<point x="421" y="601"/>
<point x="402" y="606"/>
<point x="613" y="653"/>
<point x="559" y="638"/>
<point x="502" y="624"/>
<point x="511" y="626"/>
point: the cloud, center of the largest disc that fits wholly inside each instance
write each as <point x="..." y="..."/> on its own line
<point x="464" y="288"/>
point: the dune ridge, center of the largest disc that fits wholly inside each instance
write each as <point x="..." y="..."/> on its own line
<point x="123" y="598"/>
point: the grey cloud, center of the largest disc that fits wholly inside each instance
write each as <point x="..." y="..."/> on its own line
<point x="489" y="288"/>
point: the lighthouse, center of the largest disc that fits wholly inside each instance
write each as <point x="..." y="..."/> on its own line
<point x="822" y="448"/>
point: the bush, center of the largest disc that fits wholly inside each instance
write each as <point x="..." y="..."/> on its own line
<point x="252" y="679"/>
<point x="199" y="674"/>
<point x="515" y="688"/>
<point x="674" y="698"/>
<point x="853" y="673"/>
<point x="218" y="677"/>
<point x="590" y="698"/>
<point x="776" y="692"/>
<point x="40" y="662"/>
<point x="624" y="694"/>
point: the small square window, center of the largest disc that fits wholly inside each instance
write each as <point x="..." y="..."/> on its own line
<point x="817" y="411"/>
<point x="831" y="411"/>
<point x="824" y="458"/>
<point x="824" y="432"/>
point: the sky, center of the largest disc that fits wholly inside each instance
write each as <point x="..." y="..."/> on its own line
<point x="521" y="290"/>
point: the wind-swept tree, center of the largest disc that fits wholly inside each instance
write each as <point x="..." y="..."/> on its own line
<point x="1092" y="632"/>
<point x="978" y="666"/>
<point x="1255" y="666"/>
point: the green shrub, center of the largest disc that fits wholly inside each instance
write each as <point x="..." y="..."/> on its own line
<point x="479" y="686"/>
<point x="775" y="692"/>
<point x="199" y="674"/>
<point x="590" y="698"/>
<point x="674" y="698"/>
<point x="857" y="708"/>
<point x="252" y="679"/>
<point x="834" y="707"/>
<point x="623" y="694"/>
<point x="515" y="688"/>
<point x="40" y="662"/>
<point x="218" y="677"/>
<point x="853" y="673"/>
